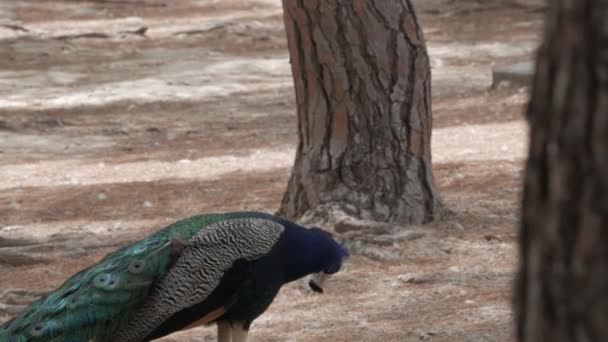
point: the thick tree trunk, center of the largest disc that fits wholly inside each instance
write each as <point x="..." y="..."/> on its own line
<point x="362" y="80"/>
<point x="562" y="285"/>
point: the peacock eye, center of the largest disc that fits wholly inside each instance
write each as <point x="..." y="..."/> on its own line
<point x="38" y="329"/>
<point x="73" y="303"/>
<point x="101" y="280"/>
<point x="137" y="266"/>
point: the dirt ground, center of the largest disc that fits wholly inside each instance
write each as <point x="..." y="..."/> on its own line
<point x="118" y="117"/>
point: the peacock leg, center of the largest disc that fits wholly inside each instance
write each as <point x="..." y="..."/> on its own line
<point x="224" y="331"/>
<point x="239" y="333"/>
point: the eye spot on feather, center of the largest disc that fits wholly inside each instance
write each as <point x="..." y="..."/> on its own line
<point x="102" y="280"/>
<point x="38" y="330"/>
<point x="155" y="242"/>
<point x="73" y="302"/>
<point x="137" y="266"/>
<point x="112" y="284"/>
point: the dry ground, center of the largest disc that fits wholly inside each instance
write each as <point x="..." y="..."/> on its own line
<point x="107" y="134"/>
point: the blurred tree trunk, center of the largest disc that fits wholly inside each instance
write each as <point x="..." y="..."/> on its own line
<point x="562" y="285"/>
<point x="8" y="12"/>
<point x="362" y="80"/>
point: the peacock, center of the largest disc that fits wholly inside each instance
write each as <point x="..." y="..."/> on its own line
<point x="223" y="268"/>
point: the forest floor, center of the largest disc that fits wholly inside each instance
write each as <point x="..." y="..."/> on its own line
<point x="107" y="134"/>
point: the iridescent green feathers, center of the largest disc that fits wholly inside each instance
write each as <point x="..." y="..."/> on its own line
<point x="97" y="300"/>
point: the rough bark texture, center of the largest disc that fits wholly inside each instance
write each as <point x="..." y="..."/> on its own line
<point x="362" y="80"/>
<point x="562" y="286"/>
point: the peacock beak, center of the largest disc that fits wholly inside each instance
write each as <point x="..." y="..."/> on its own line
<point x="316" y="282"/>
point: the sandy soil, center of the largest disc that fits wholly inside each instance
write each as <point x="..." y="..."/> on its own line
<point x="107" y="134"/>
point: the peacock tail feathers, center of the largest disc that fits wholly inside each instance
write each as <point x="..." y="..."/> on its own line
<point x="98" y="299"/>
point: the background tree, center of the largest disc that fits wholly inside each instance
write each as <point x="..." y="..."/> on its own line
<point x="362" y="80"/>
<point x="562" y="287"/>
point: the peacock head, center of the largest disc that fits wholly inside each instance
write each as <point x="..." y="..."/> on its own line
<point x="334" y="257"/>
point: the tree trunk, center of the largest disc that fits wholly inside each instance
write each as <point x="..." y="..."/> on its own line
<point x="562" y="285"/>
<point x="362" y="80"/>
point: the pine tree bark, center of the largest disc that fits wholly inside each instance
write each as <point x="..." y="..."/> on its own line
<point x="362" y="80"/>
<point x="562" y="284"/>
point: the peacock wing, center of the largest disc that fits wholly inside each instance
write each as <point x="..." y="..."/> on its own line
<point x="199" y="269"/>
<point x="219" y="301"/>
